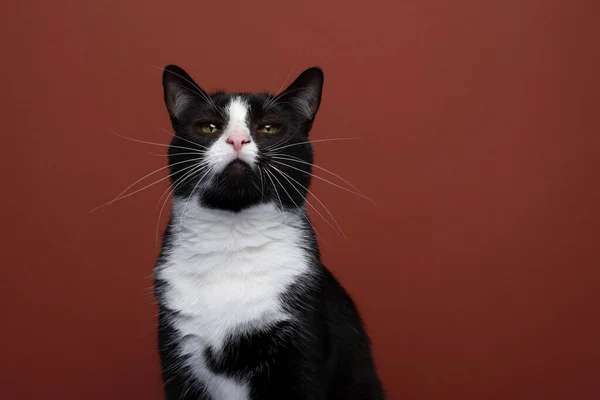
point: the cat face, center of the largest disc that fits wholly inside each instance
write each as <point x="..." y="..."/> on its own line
<point x="236" y="150"/>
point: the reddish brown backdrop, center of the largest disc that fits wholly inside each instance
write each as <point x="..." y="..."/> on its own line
<point x="477" y="270"/>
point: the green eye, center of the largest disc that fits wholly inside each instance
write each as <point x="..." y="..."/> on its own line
<point x="269" y="128"/>
<point x="209" y="128"/>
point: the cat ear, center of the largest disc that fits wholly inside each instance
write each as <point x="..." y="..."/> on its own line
<point x="180" y="90"/>
<point x="305" y="92"/>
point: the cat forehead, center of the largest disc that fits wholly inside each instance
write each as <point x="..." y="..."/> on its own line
<point x="238" y="111"/>
<point x="255" y="101"/>
<point x="245" y="106"/>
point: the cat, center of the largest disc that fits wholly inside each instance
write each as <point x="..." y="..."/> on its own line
<point x="246" y="308"/>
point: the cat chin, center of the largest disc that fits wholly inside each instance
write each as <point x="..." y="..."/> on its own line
<point x="237" y="172"/>
<point x="234" y="189"/>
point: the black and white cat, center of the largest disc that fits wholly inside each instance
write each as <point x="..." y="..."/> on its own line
<point x="247" y="310"/>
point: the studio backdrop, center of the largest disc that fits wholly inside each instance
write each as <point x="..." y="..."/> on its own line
<point x="471" y="127"/>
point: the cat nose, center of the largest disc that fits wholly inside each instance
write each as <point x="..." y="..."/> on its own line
<point x="237" y="140"/>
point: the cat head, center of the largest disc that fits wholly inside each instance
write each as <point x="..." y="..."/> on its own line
<point x="236" y="150"/>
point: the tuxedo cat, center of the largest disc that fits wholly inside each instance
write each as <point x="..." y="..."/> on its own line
<point x="247" y="309"/>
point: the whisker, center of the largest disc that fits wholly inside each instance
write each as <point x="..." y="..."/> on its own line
<point x="147" y="186"/>
<point x="136" y="182"/>
<point x="189" y="173"/>
<point x="286" y="176"/>
<point x="315" y="141"/>
<point x="287" y="77"/>
<point x="296" y="159"/>
<point x="281" y="142"/>
<point x="269" y="101"/>
<point x="277" y="193"/>
<point x="286" y="192"/>
<point x="153" y="143"/>
<point x="277" y="97"/>
<point x="177" y="154"/>
<point x="302" y="211"/>
<point x="325" y="180"/>
<point x="262" y="186"/>
<point x="184" y="139"/>
<point x="192" y="194"/>
<point x="206" y="98"/>
<point x="180" y="181"/>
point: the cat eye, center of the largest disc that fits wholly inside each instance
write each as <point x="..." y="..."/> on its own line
<point x="209" y="128"/>
<point x="269" y="128"/>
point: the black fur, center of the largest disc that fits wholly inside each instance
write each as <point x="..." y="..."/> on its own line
<point x="325" y="354"/>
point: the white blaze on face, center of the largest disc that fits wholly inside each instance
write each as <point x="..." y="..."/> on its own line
<point x="237" y="111"/>
<point x="221" y="153"/>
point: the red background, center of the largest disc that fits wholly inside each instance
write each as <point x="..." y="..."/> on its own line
<point x="478" y="268"/>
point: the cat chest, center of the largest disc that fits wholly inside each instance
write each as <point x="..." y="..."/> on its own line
<point x="224" y="293"/>
<point x="228" y="292"/>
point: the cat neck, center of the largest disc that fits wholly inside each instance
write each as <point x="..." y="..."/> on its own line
<point x="222" y="230"/>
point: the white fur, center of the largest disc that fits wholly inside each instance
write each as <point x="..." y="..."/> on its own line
<point x="220" y="153"/>
<point x="225" y="273"/>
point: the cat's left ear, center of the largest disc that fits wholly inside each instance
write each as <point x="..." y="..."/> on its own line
<point x="305" y="92"/>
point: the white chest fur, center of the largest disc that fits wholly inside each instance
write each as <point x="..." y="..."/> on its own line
<point x="225" y="273"/>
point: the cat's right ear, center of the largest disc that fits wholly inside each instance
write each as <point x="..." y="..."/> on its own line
<point x="180" y="91"/>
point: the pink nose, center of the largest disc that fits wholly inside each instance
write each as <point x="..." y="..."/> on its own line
<point x="237" y="140"/>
